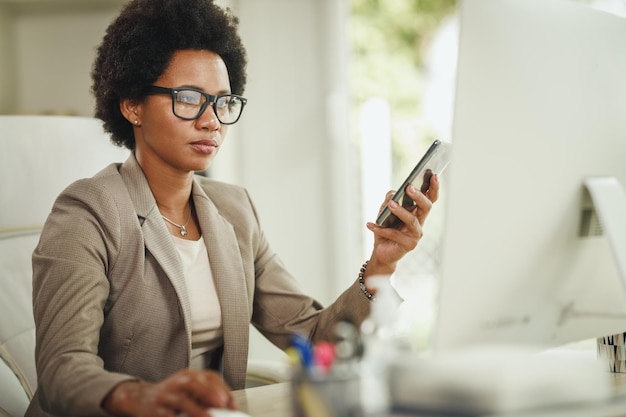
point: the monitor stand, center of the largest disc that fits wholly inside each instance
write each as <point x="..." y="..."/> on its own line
<point x="609" y="202"/>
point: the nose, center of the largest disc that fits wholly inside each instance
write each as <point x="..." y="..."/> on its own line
<point x="208" y="119"/>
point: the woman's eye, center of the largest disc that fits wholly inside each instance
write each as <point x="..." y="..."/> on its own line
<point x="188" y="98"/>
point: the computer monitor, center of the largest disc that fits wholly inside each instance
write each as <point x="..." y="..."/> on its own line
<point x="540" y="107"/>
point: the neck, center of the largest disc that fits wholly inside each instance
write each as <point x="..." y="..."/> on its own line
<point x="172" y="199"/>
<point x="171" y="188"/>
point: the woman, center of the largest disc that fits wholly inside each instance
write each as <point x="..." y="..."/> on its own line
<point x="147" y="277"/>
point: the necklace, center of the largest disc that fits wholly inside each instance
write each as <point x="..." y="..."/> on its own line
<point x="182" y="227"/>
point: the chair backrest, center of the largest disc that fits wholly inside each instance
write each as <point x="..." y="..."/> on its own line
<point x="39" y="157"/>
<point x="13" y="398"/>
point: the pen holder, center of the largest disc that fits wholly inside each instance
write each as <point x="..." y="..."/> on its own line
<point x="613" y="349"/>
<point x="319" y="394"/>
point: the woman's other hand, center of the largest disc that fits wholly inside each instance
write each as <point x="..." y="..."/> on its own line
<point x="188" y="391"/>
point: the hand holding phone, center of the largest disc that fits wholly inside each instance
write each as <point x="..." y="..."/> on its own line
<point x="434" y="161"/>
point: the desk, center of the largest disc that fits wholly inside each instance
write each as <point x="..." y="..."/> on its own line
<point x="274" y="400"/>
<point x="619" y="383"/>
<point x="266" y="401"/>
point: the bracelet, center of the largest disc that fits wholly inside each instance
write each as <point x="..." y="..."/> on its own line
<point x="368" y="294"/>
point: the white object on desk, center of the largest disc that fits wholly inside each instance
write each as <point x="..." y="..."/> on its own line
<point x="224" y="412"/>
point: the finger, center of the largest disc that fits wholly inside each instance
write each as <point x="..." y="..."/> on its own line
<point x="221" y="396"/>
<point x="183" y="403"/>
<point x="209" y="388"/>
<point x="423" y="204"/>
<point x="232" y="405"/>
<point x="169" y="401"/>
<point x="426" y="180"/>
<point x="433" y="190"/>
<point x="412" y="225"/>
<point x="165" y="412"/>
<point x="388" y="197"/>
<point x="405" y="238"/>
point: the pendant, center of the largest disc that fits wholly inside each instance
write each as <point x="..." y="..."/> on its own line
<point x="183" y="231"/>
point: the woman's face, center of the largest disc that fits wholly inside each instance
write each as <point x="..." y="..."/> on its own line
<point x="174" y="143"/>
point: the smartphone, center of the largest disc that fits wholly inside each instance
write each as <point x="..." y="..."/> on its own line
<point x="434" y="161"/>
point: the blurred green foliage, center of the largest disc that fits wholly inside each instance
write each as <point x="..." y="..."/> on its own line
<point x="388" y="41"/>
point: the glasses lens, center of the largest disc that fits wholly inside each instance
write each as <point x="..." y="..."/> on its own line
<point x="188" y="103"/>
<point x="228" y="108"/>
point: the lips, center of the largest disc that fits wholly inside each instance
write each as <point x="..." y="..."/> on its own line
<point x="207" y="146"/>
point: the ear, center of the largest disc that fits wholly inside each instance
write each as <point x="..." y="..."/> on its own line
<point x="131" y="109"/>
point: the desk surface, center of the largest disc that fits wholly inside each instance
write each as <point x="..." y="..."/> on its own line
<point x="274" y="400"/>
<point x="265" y="401"/>
<point x="619" y="382"/>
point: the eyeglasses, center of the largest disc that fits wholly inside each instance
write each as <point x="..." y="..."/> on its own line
<point x="190" y="104"/>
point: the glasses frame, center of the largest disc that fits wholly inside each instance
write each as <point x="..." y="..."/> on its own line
<point x="210" y="99"/>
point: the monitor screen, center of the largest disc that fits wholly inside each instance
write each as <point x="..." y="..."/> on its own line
<point x="540" y="106"/>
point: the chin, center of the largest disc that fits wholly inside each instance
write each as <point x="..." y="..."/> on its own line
<point x="203" y="164"/>
<point x="201" y="169"/>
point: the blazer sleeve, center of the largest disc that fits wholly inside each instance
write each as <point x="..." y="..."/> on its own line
<point x="78" y="245"/>
<point x="281" y="308"/>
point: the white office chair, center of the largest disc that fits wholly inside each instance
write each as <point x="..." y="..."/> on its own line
<point x="39" y="156"/>
<point x="266" y="372"/>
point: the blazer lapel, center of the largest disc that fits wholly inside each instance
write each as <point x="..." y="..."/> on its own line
<point x="156" y="236"/>
<point x="228" y="274"/>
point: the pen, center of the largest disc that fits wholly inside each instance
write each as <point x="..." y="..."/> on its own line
<point x="304" y="349"/>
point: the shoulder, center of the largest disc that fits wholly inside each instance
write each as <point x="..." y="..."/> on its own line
<point x="87" y="220"/>
<point x="106" y="186"/>
<point x="103" y="196"/>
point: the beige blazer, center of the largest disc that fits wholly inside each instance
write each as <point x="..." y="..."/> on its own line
<point x="109" y="295"/>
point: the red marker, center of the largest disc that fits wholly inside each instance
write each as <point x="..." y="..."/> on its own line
<point x="324" y="355"/>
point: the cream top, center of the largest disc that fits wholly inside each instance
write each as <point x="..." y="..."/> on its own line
<point x="206" y="314"/>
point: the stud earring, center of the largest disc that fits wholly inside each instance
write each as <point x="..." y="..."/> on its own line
<point x="136" y="122"/>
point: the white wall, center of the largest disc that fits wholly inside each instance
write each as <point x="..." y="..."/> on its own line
<point x="51" y="50"/>
<point x="293" y="143"/>
<point x="66" y="45"/>
<point x="291" y="149"/>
